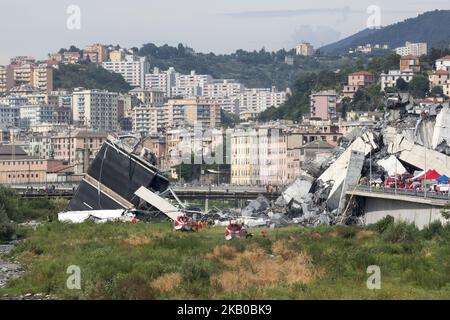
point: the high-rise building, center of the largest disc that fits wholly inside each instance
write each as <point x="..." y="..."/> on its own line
<point x="259" y="99"/>
<point x="132" y="68"/>
<point x="415" y="49"/>
<point x="36" y="76"/>
<point x="95" y="109"/>
<point x="148" y="119"/>
<point x="223" y="88"/>
<point x="190" y="85"/>
<point x="148" y="97"/>
<point x="191" y="111"/>
<point x="161" y="81"/>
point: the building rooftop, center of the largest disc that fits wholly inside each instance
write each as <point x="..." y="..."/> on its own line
<point x="361" y="73"/>
<point x="9" y="152"/>
<point x="441" y="72"/>
<point x="317" y="144"/>
<point x="445" y="58"/>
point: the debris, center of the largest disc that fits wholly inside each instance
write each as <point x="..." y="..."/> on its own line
<point x="392" y="166"/>
<point x="99" y="216"/>
<point x="255" y="207"/>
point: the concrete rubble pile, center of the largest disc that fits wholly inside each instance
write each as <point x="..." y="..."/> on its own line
<point x="404" y="143"/>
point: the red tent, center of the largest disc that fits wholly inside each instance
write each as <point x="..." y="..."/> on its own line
<point x="429" y="175"/>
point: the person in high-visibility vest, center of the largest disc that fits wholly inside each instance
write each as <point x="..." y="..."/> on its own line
<point x="181" y="223"/>
<point x="233" y="230"/>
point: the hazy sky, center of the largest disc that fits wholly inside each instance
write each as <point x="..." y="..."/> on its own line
<point x="37" y="27"/>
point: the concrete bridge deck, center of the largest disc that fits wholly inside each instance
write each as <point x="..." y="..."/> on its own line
<point x="430" y="198"/>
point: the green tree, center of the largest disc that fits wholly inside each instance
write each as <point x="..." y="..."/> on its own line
<point x="419" y="86"/>
<point x="401" y="84"/>
<point x="437" y="91"/>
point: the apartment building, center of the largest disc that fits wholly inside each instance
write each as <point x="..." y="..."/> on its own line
<point x="324" y="104"/>
<point x="148" y="119"/>
<point x="96" y="53"/>
<point x="36" y="76"/>
<point x="356" y="81"/>
<point x="191" y="111"/>
<point x="131" y="67"/>
<point x="223" y="88"/>
<point x="9" y="115"/>
<point x="439" y="78"/>
<point x="304" y="49"/>
<point x="148" y="97"/>
<point x="258" y="156"/>
<point x="190" y="85"/>
<point x="389" y="80"/>
<point x="117" y="55"/>
<point x="161" y="81"/>
<point x="415" y="49"/>
<point x="259" y="99"/>
<point x="6" y="79"/>
<point x="95" y="109"/>
<point x="65" y="145"/>
<point x="36" y="114"/>
<point x="441" y="63"/>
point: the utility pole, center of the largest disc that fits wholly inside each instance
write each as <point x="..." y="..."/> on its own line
<point x="370" y="171"/>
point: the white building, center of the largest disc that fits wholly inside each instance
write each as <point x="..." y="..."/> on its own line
<point x="389" y="80"/>
<point x="415" y="49"/>
<point x="258" y="156"/>
<point x="443" y="63"/>
<point x="223" y="88"/>
<point x="190" y="85"/>
<point x="161" y="81"/>
<point x="31" y="115"/>
<point x="95" y="109"/>
<point x="148" y="119"/>
<point x="132" y="68"/>
<point x="259" y="99"/>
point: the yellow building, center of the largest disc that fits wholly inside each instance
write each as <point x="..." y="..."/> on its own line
<point x="191" y="111"/>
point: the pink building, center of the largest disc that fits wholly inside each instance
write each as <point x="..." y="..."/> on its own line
<point x="323" y="104"/>
<point x="357" y="80"/>
<point x="66" y="145"/>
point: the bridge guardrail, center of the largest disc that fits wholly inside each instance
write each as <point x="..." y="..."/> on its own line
<point x="399" y="191"/>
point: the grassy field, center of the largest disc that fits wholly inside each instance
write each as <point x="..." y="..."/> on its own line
<point x="150" y="261"/>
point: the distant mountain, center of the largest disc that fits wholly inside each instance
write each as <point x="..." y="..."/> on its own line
<point x="432" y="27"/>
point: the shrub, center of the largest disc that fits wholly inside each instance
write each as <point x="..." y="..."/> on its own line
<point x="383" y="224"/>
<point x="433" y="229"/>
<point x="347" y="232"/>
<point x="400" y="232"/>
<point x="7" y="228"/>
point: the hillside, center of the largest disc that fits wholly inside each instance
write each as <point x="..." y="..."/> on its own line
<point x="432" y="27"/>
<point x="252" y="68"/>
<point x="88" y="76"/>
